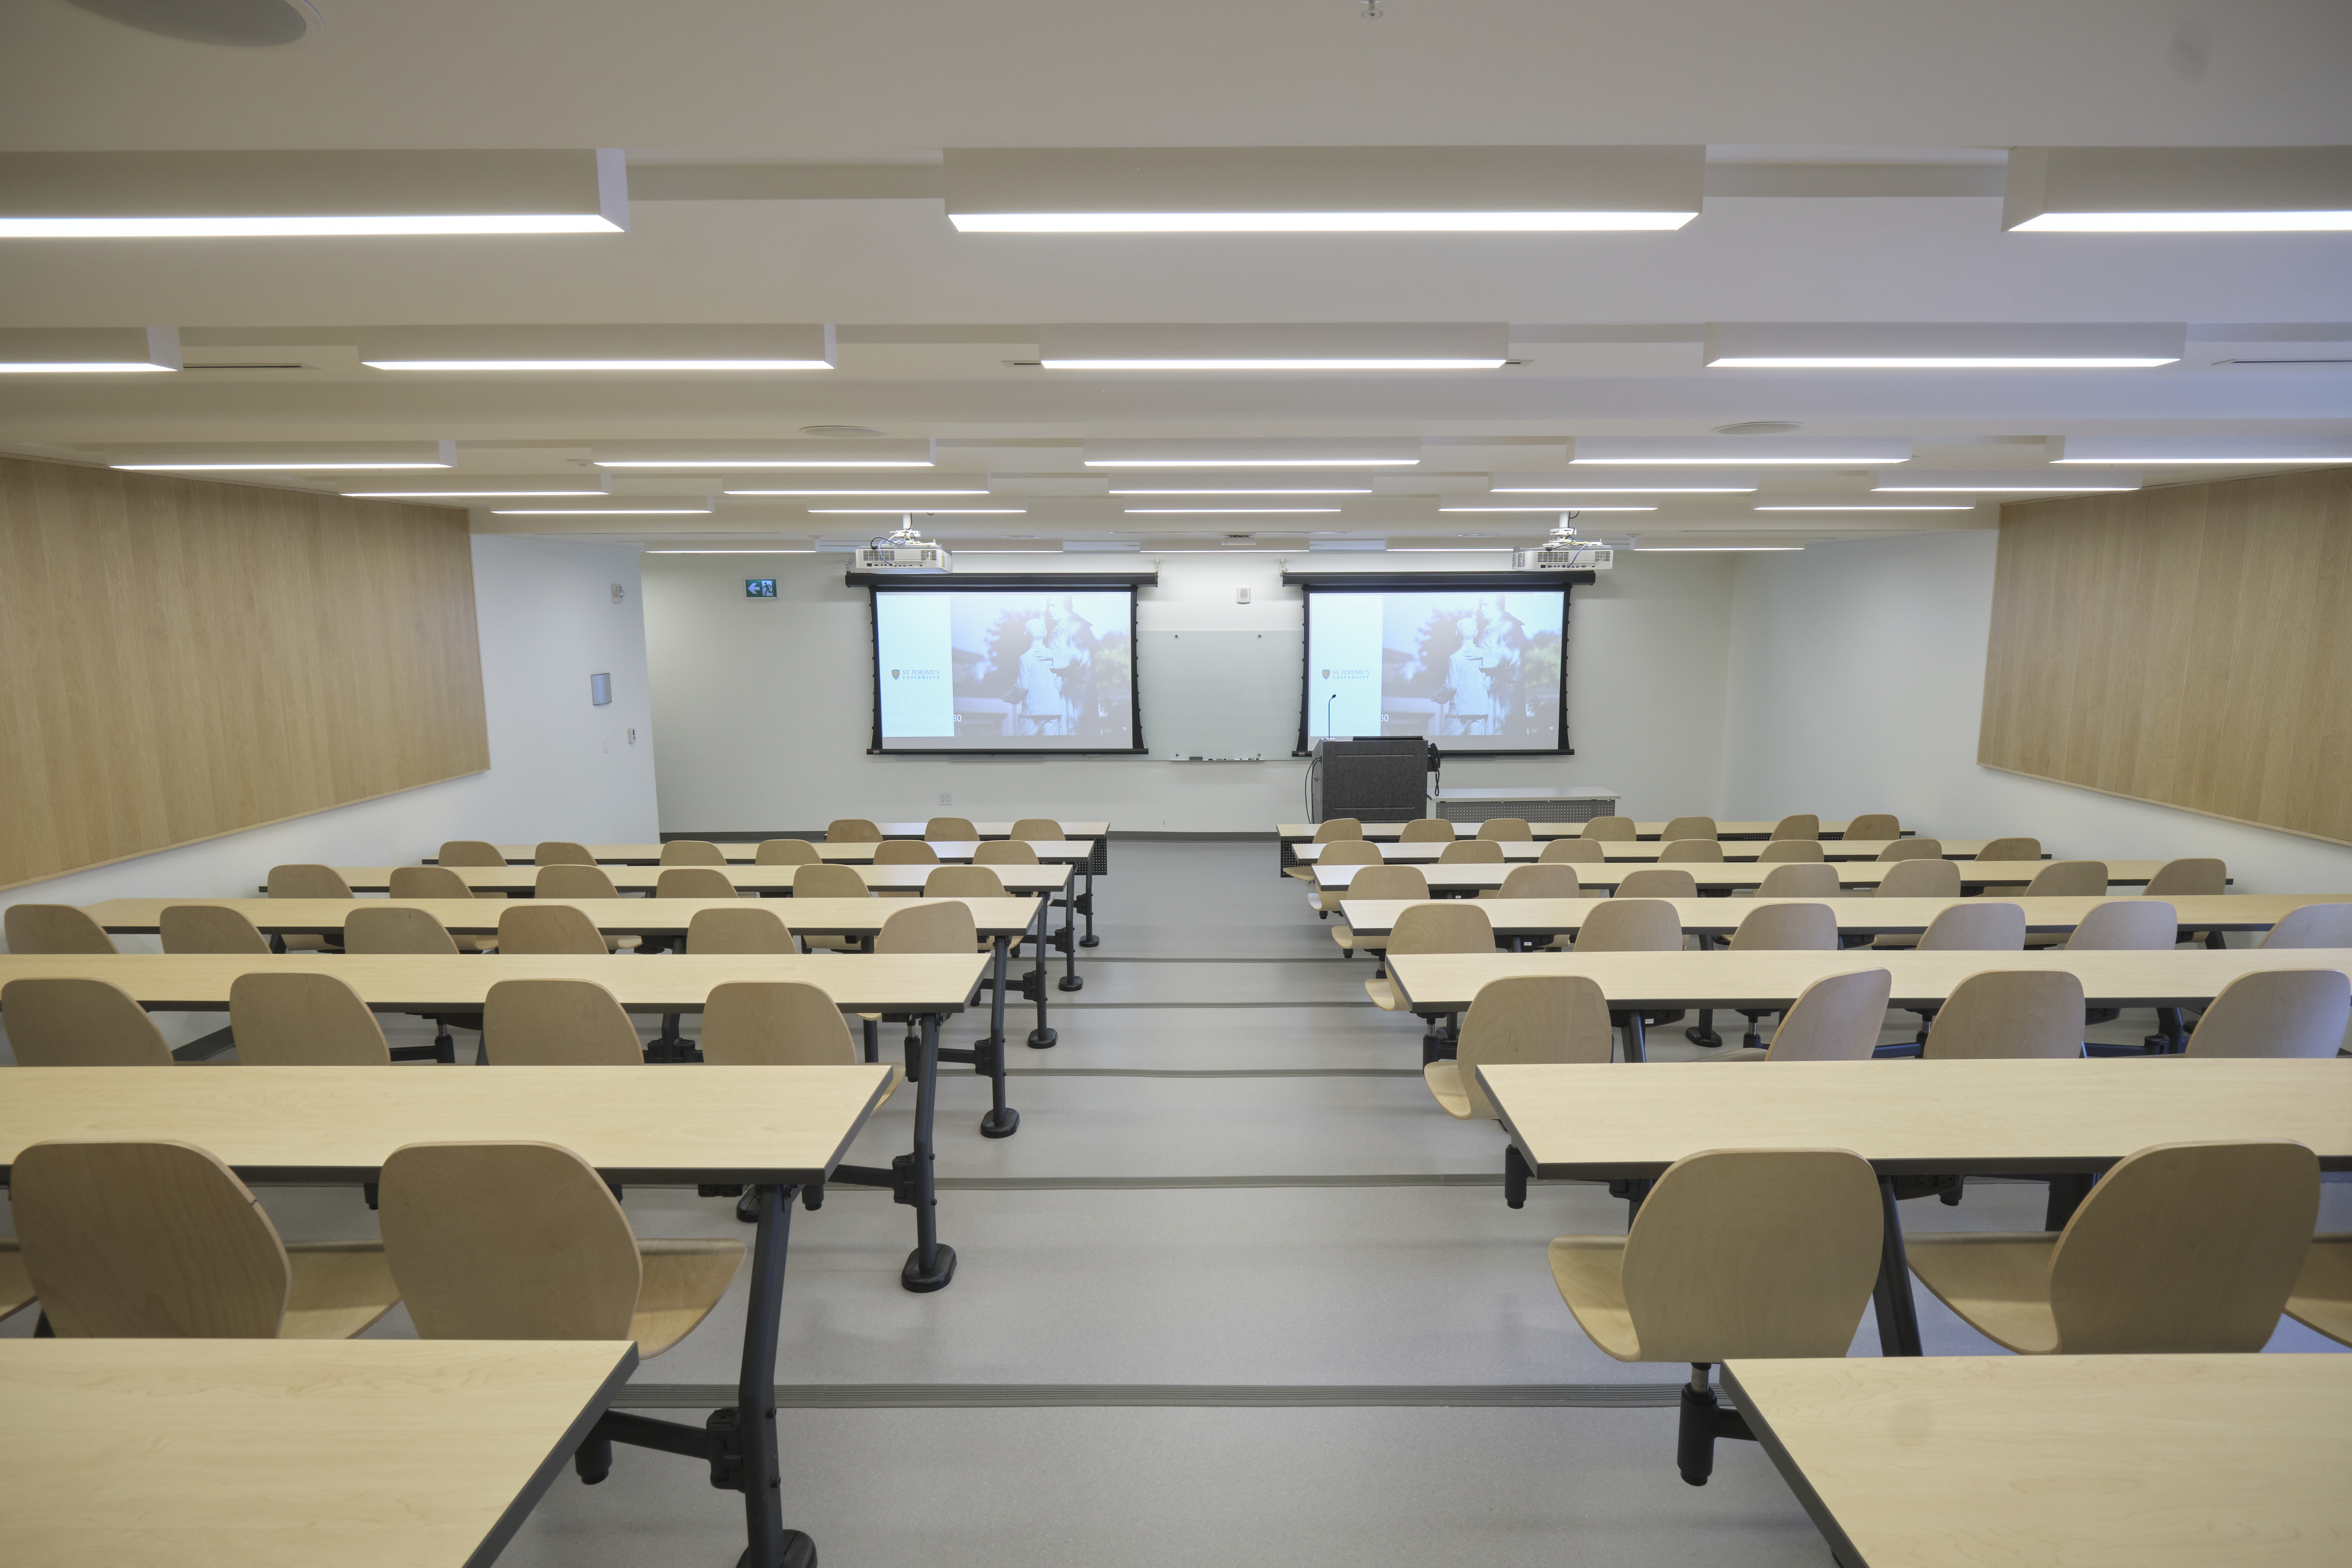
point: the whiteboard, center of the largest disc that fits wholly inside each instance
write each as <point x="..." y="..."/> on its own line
<point x="1220" y="693"/>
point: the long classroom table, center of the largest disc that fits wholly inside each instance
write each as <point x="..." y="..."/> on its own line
<point x="777" y="1130"/>
<point x="1855" y="916"/>
<point x="1462" y="882"/>
<point x="1910" y="1118"/>
<point x="1304" y="832"/>
<point x="1525" y="850"/>
<point x="951" y="852"/>
<point x="925" y="988"/>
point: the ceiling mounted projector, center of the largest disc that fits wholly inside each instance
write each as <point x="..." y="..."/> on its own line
<point x="1563" y="551"/>
<point x="902" y="549"/>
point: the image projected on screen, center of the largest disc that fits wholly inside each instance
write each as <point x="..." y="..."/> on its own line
<point x="1471" y="670"/>
<point x="1006" y="671"/>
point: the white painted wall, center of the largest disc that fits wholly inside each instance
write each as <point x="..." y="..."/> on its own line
<point x="1857" y="681"/>
<point x="766" y="706"/>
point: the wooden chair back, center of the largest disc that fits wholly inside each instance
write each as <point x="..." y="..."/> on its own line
<point x="785" y="852"/>
<point x="575" y="881"/>
<point x="2276" y="1012"/>
<point x="1688" y="827"/>
<point x="54" y="929"/>
<point x="1912" y="850"/>
<point x="147" y="1240"/>
<point x="399" y="929"/>
<point x="928" y="928"/>
<point x="1531" y="1018"/>
<point x="1507" y="830"/>
<point x="2010" y="1013"/>
<point x="2197" y="877"/>
<point x="753" y="928"/>
<point x="1658" y="882"/>
<point x="428" y="883"/>
<point x="905" y="852"/>
<point x="308" y="881"/>
<point x="507" y="1241"/>
<point x="2126" y="926"/>
<point x="536" y="928"/>
<point x="1932" y="879"/>
<point x="1540" y="881"/>
<point x="1753" y="1252"/>
<point x="469" y="852"/>
<point x="951" y="829"/>
<point x="1003" y="852"/>
<point x="852" y="830"/>
<point x="208" y="928"/>
<point x="1787" y="928"/>
<point x="1446" y="925"/>
<point x="1388" y="882"/>
<point x="1874" y="825"/>
<point x="2011" y="849"/>
<point x="1835" y="1019"/>
<point x="774" y="1022"/>
<point x="692" y="852"/>
<point x="963" y="882"/>
<point x="1786" y="851"/>
<point x="560" y="852"/>
<point x="1428" y="831"/>
<point x="1039" y="830"/>
<point x="1798" y="825"/>
<point x="827" y="880"/>
<point x="1692" y="849"/>
<point x="77" y="1022"/>
<point x="2184" y="1248"/>
<point x="1631" y="925"/>
<point x="557" y="1023"/>
<point x="1979" y="925"/>
<point x="2069" y="880"/>
<point x="1344" y="852"/>
<point x="1610" y="830"/>
<point x="1573" y="852"/>
<point x="2313" y="925"/>
<point x="1472" y="852"/>
<point x="1799" y="880"/>
<point x="1335" y="829"/>
<point x="296" y="1019"/>
<point x="693" y="882"/>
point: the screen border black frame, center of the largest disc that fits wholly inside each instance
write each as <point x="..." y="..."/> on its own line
<point x="1312" y="583"/>
<point x="874" y="582"/>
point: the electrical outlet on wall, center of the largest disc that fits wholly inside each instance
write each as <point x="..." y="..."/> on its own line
<point x="619" y="593"/>
<point x="946" y="799"/>
<point x="633" y="737"/>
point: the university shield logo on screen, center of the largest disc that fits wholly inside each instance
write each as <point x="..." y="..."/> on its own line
<point x="894" y="675"/>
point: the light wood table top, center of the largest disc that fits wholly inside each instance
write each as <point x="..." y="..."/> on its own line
<point x="2105" y="1461"/>
<point x="896" y="983"/>
<point x="1305" y="831"/>
<point x="1445" y="981"/>
<point x="770" y="880"/>
<point x="1733" y="850"/>
<point x="1747" y="874"/>
<point x="1855" y="916"/>
<point x="614" y="917"/>
<point x="746" y="851"/>
<point x="287" y="1453"/>
<point x="961" y="851"/>
<point x="781" y="1125"/>
<point x="1905" y="1117"/>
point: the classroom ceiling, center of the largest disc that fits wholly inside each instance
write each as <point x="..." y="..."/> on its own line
<point x="784" y="168"/>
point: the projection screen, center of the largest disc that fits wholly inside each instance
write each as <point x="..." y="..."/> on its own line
<point x="1471" y="669"/>
<point x="1045" y="669"/>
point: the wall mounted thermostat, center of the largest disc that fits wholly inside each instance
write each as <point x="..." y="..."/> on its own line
<point x="759" y="588"/>
<point x="619" y="593"/>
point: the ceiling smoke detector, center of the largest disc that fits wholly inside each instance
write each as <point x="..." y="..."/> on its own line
<point x="1759" y="428"/>
<point x="230" y="23"/>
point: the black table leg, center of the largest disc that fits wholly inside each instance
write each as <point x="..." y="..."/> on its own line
<point x="768" y="1544"/>
<point x="932" y="1263"/>
<point x="1090" y="940"/>
<point x="1001" y="1120"/>
<point x="1636" y="1041"/>
<point x="1041" y="1037"/>
<point x="1068" y="937"/>
<point x="2067" y="1190"/>
<point x="1898" y="1313"/>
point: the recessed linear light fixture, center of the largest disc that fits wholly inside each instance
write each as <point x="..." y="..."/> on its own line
<point x="1250" y="491"/>
<point x="1713" y="549"/>
<point x="1957" y="506"/>
<point x="1624" y="482"/>
<point x="750" y="455"/>
<point x="918" y="511"/>
<point x="1941" y="345"/>
<point x="1226" y="511"/>
<point x="465" y="495"/>
<point x="1256" y="452"/>
<point x="2007" y="481"/>
<point x="593" y="348"/>
<point x="761" y="552"/>
<point x="603" y="511"/>
<point x="89" y="350"/>
<point x="892" y="490"/>
<point x="172" y="195"/>
<point x="1563" y="506"/>
<point x="1300" y="347"/>
<point x="1321" y="190"/>
<point x="1736" y="451"/>
<point x="2178" y="190"/>
<point x="293" y="457"/>
<point x="2215" y="450"/>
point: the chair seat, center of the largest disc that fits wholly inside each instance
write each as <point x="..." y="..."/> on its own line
<point x="1998" y="1283"/>
<point x="1894" y="941"/>
<point x="1345" y="937"/>
<point x="683" y="1280"/>
<point x="1304" y="873"/>
<point x="339" y="1288"/>
<point x="1444" y="1080"/>
<point x="15" y="1282"/>
<point x="1383" y="995"/>
<point x="1591" y="1273"/>
<point x="2321" y="1299"/>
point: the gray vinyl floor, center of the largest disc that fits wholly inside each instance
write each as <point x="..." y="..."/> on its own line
<point x="1212" y="1302"/>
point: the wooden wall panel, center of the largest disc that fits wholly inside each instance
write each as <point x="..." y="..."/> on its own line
<point x="185" y="658"/>
<point x="2191" y="644"/>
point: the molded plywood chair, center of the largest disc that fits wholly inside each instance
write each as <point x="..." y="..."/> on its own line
<point x="77" y="1022"/>
<point x="1635" y="923"/>
<point x="160" y="1240"/>
<point x="693" y="882"/>
<point x="1875" y="824"/>
<point x="1976" y="926"/>
<point x="16" y="1284"/>
<point x="1688" y="827"/>
<point x="1610" y="830"/>
<point x="2276" y="1012"/>
<point x="2313" y="925"/>
<point x="577" y="881"/>
<point x="928" y="928"/>
<point x="557" y="1023"/>
<point x="469" y="852"/>
<point x="298" y="1019"/>
<point x="2123" y="925"/>
<point x="1770" y="928"/>
<point x="827" y="880"/>
<point x="785" y="852"/>
<point x="2181" y="1249"/>
<point x="2199" y="877"/>
<point x="749" y="930"/>
<point x="307" y="881"/>
<point x="1658" y="882"/>
<point x="692" y="852"/>
<point x="560" y="852"/>
<point x="905" y="852"/>
<point x="774" y="1022"/>
<point x="1935" y="879"/>
<point x="1782" y="851"/>
<point x="1689" y="850"/>
<point x="1535" y="881"/>
<point x="524" y="1241"/>
<point x="1798" y="825"/>
<point x="1812" y="878"/>
<point x="2322" y="1298"/>
<point x="2010" y="1013"/>
<point x="399" y="929"/>
<point x="1524" y="1018"/>
<point x="2065" y="879"/>
<point x="1472" y="852"/>
<point x="440" y="882"/>
<point x="543" y="928"/>
<point x="209" y="927"/>
<point x="1736" y="1252"/>
<point x="852" y="830"/>
<point x="1573" y="852"/>
<point x="54" y="929"/>
<point x="1506" y="829"/>
<point x="1039" y="830"/>
<point x="1835" y="1019"/>
<point x="1338" y="830"/>
<point x="1003" y="852"/>
<point x="963" y="882"/>
<point x="1912" y="850"/>
<point x="2011" y="849"/>
<point x="1449" y="926"/>
<point x="951" y="829"/>
<point x="1428" y="831"/>
<point x="1407" y="882"/>
<point x="1345" y="852"/>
